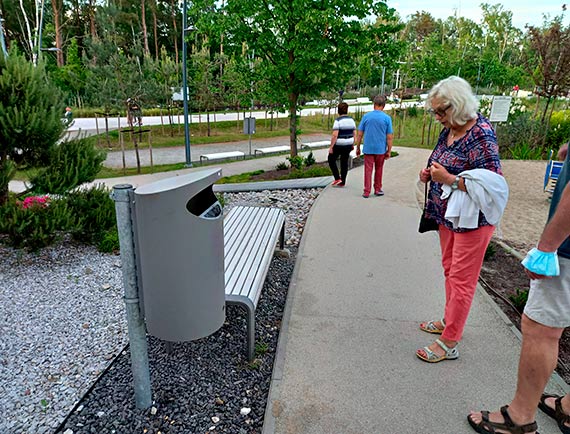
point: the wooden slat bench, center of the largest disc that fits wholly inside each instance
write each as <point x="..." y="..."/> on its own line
<point x="271" y="150"/>
<point x="250" y="236"/>
<point x="222" y="155"/>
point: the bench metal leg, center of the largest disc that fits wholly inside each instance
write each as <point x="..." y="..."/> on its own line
<point x="282" y="237"/>
<point x="168" y="347"/>
<point x="250" y="333"/>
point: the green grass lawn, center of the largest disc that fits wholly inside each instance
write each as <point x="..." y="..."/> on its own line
<point x="219" y="132"/>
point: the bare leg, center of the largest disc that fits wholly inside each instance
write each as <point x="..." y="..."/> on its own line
<point x="539" y="354"/>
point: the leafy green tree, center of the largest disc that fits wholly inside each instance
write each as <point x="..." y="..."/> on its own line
<point x="548" y="61"/>
<point x="304" y="47"/>
<point x="30" y="117"/>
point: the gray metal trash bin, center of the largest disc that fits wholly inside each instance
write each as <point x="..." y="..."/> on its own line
<point x="180" y="249"/>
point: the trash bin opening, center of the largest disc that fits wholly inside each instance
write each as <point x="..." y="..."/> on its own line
<point x="205" y="204"/>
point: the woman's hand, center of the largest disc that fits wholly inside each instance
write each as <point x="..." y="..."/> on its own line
<point x="440" y="174"/>
<point x="330" y="149"/>
<point x="425" y="175"/>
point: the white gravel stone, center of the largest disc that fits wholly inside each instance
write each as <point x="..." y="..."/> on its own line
<point x="245" y="411"/>
<point x="62" y="319"/>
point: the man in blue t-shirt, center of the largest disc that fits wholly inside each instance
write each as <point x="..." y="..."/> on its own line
<point x="546" y="315"/>
<point x="376" y="127"/>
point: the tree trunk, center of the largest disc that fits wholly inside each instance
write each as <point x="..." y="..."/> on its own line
<point x="154" y="28"/>
<point x="173" y="9"/>
<point x="144" y="30"/>
<point x="57" y="6"/>
<point x="92" y="19"/>
<point x="293" y="98"/>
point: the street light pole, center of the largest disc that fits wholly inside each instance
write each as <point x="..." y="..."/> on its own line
<point x="185" y="89"/>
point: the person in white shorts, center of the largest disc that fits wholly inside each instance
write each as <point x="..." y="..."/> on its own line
<point x="546" y="314"/>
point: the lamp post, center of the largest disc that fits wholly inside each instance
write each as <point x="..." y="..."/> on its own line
<point x="185" y="86"/>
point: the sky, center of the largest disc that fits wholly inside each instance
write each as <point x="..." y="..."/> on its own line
<point x="524" y="11"/>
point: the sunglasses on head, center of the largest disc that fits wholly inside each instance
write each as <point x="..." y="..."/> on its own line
<point x="439" y="111"/>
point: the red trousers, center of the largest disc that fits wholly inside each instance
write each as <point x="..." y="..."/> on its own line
<point x="376" y="162"/>
<point x="462" y="256"/>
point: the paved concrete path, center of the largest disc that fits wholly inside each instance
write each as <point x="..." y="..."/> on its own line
<point x="364" y="280"/>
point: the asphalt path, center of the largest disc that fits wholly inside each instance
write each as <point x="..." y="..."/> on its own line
<point x="92" y="125"/>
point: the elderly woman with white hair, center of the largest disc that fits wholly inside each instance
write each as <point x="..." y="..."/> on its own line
<point x="466" y="142"/>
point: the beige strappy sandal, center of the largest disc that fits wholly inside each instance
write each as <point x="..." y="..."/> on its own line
<point x="430" y="327"/>
<point x="431" y="357"/>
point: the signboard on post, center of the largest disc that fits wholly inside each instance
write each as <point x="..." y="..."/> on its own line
<point x="249" y="125"/>
<point x="500" y="108"/>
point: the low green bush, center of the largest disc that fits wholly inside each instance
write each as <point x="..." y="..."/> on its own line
<point x="310" y="159"/>
<point x="71" y="164"/>
<point x="559" y="131"/>
<point x="296" y="162"/>
<point x="109" y="241"/>
<point x="312" y="172"/>
<point x="281" y="166"/>
<point x="520" y="139"/>
<point x="519" y="298"/>
<point x="35" y="222"/>
<point x="94" y="214"/>
<point x="412" y="111"/>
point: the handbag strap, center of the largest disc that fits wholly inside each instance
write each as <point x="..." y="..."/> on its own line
<point x="426" y="190"/>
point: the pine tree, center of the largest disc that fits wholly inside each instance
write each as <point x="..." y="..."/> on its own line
<point x="31" y="108"/>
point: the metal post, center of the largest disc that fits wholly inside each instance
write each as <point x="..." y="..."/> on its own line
<point x="185" y="88"/>
<point x="251" y="56"/>
<point x="123" y="197"/>
<point x="383" y="75"/>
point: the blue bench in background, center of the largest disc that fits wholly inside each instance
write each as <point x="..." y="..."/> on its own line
<point x="553" y="169"/>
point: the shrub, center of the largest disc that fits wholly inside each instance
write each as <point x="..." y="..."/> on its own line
<point x="519" y="298"/>
<point x="525" y="151"/>
<point x="71" y="164"/>
<point x="559" y="130"/>
<point x="34" y="223"/>
<point x="313" y="172"/>
<point x="520" y="139"/>
<point x="94" y="214"/>
<point x="412" y="111"/>
<point x="109" y="242"/>
<point x="281" y="166"/>
<point x="296" y="162"/>
<point x="310" y="159"/>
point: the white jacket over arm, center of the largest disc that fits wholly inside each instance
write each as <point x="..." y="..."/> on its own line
<point x="487" y="192"/>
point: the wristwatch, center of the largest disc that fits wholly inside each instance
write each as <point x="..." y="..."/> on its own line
<point x="455" y="184"/>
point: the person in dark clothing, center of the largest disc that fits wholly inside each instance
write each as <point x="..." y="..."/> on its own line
<point x="342" y="143"/>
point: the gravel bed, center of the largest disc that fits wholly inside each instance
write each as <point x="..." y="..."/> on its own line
<point x="62" y="323"/>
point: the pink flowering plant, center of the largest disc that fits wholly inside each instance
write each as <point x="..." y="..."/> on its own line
<point x="35" y="201"/>
<point x="33" y="223"/>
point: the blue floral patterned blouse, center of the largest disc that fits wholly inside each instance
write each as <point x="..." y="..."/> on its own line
<point x="477" y="149"/>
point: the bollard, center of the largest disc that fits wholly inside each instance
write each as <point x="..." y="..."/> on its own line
<point x="122" y="195"/>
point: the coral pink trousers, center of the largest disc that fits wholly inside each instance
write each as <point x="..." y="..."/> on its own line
<point x="462" y="256"/>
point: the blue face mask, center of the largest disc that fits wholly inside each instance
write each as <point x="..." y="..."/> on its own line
<point x="543" y="263"/>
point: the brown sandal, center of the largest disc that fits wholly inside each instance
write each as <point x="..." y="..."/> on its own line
<point x="488" y="427"/>
<point x="555" y="413"/>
